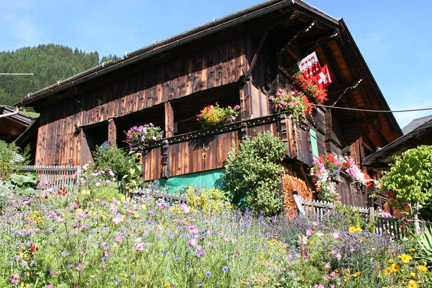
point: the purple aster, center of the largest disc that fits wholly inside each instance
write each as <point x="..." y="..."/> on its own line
<point x="208" y="274"/>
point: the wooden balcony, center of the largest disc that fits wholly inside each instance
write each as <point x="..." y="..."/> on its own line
<point x="208" y="149"/>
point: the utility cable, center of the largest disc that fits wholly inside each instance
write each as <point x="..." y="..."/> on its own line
<point x="374" y="111"/>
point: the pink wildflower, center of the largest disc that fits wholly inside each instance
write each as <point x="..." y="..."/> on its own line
<point x="193" y="229"/>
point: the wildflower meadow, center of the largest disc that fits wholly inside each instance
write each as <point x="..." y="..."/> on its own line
<point x="65" y="238"/>
<point x="96" y="234"/>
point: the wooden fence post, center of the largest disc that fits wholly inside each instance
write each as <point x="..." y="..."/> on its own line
<point x="371" y="215"/>
<point x="299" y="202"/>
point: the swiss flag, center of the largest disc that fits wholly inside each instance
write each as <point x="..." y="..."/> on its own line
<point x="309" y="66"/>
<point x="323" y="79"/>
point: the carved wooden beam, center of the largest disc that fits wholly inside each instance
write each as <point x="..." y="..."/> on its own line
<point x="258" y="51"/>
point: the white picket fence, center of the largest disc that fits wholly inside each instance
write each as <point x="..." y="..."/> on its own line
<point x="318" y="209"/>
<point x="66" y="176"/>
<point x="60" y="176"/>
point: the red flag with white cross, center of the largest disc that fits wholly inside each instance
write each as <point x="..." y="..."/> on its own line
<point x="323" y="79"/>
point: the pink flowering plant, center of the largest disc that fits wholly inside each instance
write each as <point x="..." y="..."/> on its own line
<point x="292" y="101"/>
<point x="138" y="137"/>
<point x="328" y="167"/>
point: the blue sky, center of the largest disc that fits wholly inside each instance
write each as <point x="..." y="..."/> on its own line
<point x="394" y="36"/>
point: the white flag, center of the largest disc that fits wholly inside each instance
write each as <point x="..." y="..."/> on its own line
<point x="309" y="65"/>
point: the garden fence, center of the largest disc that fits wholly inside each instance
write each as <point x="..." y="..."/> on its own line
<point x="66" y="176"/>
<point x="167" y="197"/>
<point x="61" y="176"/>
<point x="317" y="210"/>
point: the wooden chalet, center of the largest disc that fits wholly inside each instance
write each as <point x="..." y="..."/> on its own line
<point x="238" y="60"/>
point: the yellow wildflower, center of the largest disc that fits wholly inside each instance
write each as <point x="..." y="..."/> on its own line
<point x="406" y="258"/>
<point x="412" y="284"/>
<point x="390" y="260"/>
<point x="422" y="268"/>
<point x="412" y="249"/>
<point x="395" y="267"/>
<point x="352" y="229"/>
<point x="388" y="271"/>
<point x="413" y="274"/>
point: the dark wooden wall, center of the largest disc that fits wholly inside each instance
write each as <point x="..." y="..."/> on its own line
<point x="60" y="139"/>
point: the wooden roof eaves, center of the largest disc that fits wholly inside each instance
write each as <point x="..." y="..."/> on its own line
<point x="373" y="160"/>
<point x="171" y="43"/>
<point x="18" y="117"/>
<point x="346" y="37"/>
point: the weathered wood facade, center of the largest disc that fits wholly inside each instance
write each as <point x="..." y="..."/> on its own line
<point x="237" y="60"/>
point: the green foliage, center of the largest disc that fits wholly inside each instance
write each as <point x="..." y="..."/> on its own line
<point x="10" y="159"/>
<point x="5" y="194"/>
<point x="133" y="179"/>
<point x="25" y="183"/>
<point x="49" y="63"/>
<point x="107" y="191"/>
<point x="410" y="176"/>
<point x="113" y="158"/>
<point x="252" y="174"/>
<point x="425" y="243"/>
<point x="208" y="200"/>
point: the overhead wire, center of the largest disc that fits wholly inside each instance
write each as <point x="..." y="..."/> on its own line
<point x="373" y="111"/>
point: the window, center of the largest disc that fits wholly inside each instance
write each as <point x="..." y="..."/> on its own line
<point x="186" y="109"/>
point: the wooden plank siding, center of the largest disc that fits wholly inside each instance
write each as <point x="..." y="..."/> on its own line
<point x="206" y="152"/>
<point x="217" y="66"/>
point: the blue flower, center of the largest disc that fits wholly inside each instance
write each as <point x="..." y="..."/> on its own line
<point x="199" y="283"/>
<point x="208" y="274"/>
<point x="225" y="269"/>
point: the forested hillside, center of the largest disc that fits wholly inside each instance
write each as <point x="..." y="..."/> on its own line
<point x="48" y="63"/>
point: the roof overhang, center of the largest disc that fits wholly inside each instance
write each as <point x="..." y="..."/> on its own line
<point x="172" y="43"/>
<point x="421" y="135"/>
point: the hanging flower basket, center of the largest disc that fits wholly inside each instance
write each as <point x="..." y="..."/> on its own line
<point x="139" y="137"/>
<point x="213" y="115"/>
<point x="295" y="102"/>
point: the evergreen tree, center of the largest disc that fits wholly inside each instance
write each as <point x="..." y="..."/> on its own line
<point x="48" y="63"/>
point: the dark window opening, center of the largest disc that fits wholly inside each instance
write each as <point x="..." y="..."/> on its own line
<point x="155" y="115"/>
<point x="94" y="135"/>
<point x="186" y="109"/>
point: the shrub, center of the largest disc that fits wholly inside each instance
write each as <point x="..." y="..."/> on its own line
<point x="112" y="158"/>
<point x="409" y="179"/>
<point x="116" y="165"/>
<point x="208" y="200"/>
<point x="252" y="174"/>
<point x="10" y="159"/>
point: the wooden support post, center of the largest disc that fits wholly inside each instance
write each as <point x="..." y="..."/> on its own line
<point x="244" y="130"/>
<point x="165" y="162"/>
<point x="112" y="132"/>
<point x="258" y="51"/>
<point x="287" y="131"/>
<point x="245" y="99"/>
<point x="169" y="120"/>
